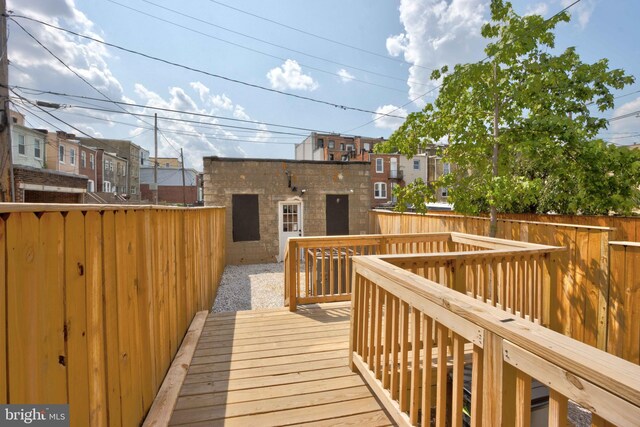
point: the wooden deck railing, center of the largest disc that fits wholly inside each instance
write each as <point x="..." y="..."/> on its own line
<point x="433" y="354"/>
<point x="95" y="301"/>
<point x="510" y="273"/>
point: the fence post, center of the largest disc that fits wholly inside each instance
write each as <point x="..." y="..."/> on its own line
<point x="550" y="303"/>
<point x="292" y="284"/>
<point x="459" y="277"/>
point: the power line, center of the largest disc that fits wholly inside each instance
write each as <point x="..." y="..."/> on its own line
<point x="168" y="110"/>
<point x="68" y="67"/>
<point x="261" y="41"/>
<point x="319" y="36"/>
<point x="196" y="70"/>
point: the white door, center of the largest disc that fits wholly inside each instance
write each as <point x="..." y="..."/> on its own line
<point x="290" y="222"/>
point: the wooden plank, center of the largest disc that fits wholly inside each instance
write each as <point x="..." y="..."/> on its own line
<point x="441" y="382"/>
<point x="414" y="403"/>
<point x="457" y="404"/>
<point x="330" y="411"/>
<point x="270" y="361"/>
<point x="557" y="409"/>
<point x="477" y="375"/>
<point x="262" y="371"/>
<point x="492" y="380"/>
<point x="631" y="347"/>
<point x="427" y="354"/>
<point x="404" y="357"/>
<point x="76" y="317"/>
<point x="111" y="334"/>
<point x="254" y="394"/>
<point x="167" y="396"/>
<point x="248" y="383"/>
<point x="523" y="400"/>
<point x="369" y="419"/>
<point x="255" y="408"/>
<point x="97" y="369"/>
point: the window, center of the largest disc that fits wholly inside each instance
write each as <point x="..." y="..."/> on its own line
<point x="119" y="169"/>
<point x="367" y="146"/>
<point x="21" y="149"/>
<point x="36" y="149"/>
<point x="106" y="186"/>
<point x="92" y="161"/>
<point x="380" y="190"/>
<point x="379" y="165"/>
<point x="245" y="217"/>
<point x="72" y="156"/>
<point x="320" y="143"/>
<point x="124" y="169"/>
<point x="341" y="146"/>
<point x="90" y="186"/>
<point x="111" y="166"/>
<point x="446" y="168"/>
<point x="83" y="159"/>
<point x="416" y="164"/>
<point x="61" y="154"/>
<point x="351" y="147"/>
<point x="332" y="144"/>
<point x="133" y="189"/>
<point x="392" y="187"/>
<point x="106" y="165"/>
<point x="331" y="156"/>
<point x="445" y="192"/>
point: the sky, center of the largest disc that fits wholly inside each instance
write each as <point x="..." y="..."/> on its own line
<point x="251" y="78"/>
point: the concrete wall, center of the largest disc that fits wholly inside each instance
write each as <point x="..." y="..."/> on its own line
<point x="268" y="179"/>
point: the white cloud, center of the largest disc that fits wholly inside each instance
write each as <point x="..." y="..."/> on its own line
<point x="345" y="76"/>
<point x="202" y="90"/>
<point x="290" y="76"/>
<point x="537" y="9"/>
<point x="437" y="33"/>
<point x="386" y="122"/>
<point x="222" y="101"/>
<point x="582" y="11"/>
<point x="239" y="113"/>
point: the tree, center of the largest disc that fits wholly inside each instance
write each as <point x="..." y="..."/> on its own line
<point x="414" y="195"/>
<point x="515" y="121"/>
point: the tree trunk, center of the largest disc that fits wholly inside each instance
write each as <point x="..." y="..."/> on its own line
<point x="493" y="226"/>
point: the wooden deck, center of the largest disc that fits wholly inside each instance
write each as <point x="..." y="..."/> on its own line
<point x="274" y="367"/>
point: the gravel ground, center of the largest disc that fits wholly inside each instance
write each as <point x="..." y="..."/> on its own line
<point x="250" y="287"/>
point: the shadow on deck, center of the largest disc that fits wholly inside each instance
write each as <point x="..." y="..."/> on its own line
<point x="274" y="367"/>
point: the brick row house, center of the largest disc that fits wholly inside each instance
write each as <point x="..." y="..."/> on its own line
<point x="37" y="175"/>
<point x="57" y="167"/>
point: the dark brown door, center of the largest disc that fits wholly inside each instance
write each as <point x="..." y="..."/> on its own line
<point x="337" y="214"/>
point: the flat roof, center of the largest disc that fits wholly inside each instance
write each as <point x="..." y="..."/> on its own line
<point x="313" y="162"/>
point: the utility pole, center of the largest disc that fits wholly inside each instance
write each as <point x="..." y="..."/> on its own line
<point x="155" y="160"/>
<point x="6" y="162"/>
<point x="184" y="196"/>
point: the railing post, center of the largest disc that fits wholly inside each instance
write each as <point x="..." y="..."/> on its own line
<point x="355" y="317"/>
<point x="294" y="263"/>
<point x="459" y="278"/>
<point x="498" y="391"/>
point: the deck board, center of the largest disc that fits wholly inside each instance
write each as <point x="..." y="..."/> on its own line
<point x="273" y="367"/>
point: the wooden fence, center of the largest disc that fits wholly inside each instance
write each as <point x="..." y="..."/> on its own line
<point x="582" y="270"/>
<point x="624" y="301"/>
<point x="624" y="227"/>
<point x="434" y="356"/>
<point x="95" y="300"/>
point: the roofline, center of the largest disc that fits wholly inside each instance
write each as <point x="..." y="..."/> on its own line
<point x="313" y="162"/>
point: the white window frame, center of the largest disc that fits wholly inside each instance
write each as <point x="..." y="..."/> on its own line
<point x="37" y="149"/>
<point x="367" y="146"/>
<point x="61" y="154"/>
<point x="379" y="165"/>
<point x="446" y="168"/>
<point x="72" y="156"/>
<point x="380" y="190"/>
<point x="416" y="162"/>
<point x="83" y="159"/>
<point x="351" y="147"/>
<point x="106" y="186"/>
<point x="332" y="144"/>
<point x="21" y="145"/>
<point x="92" y="161"/>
